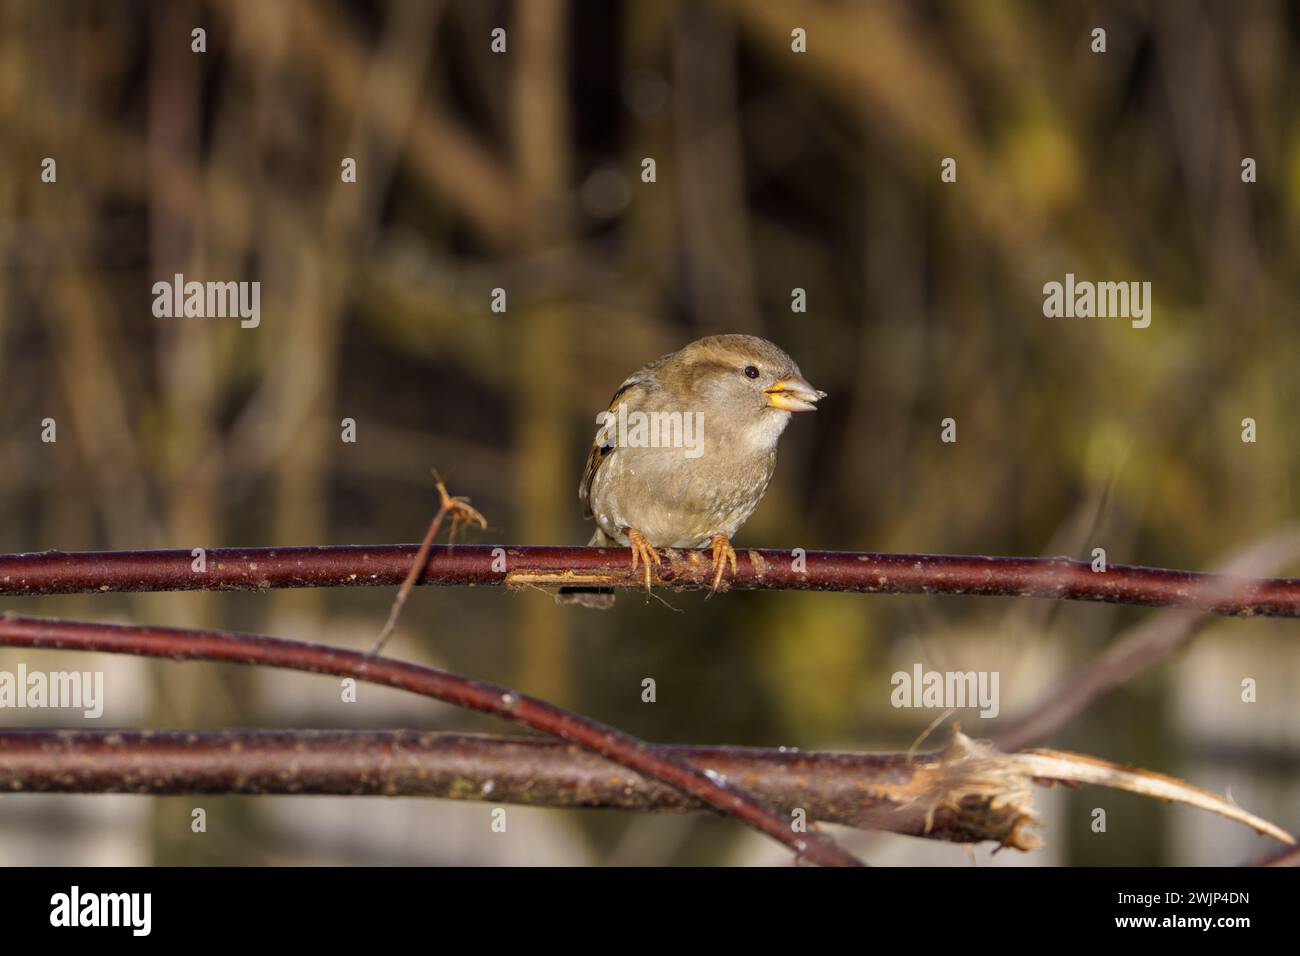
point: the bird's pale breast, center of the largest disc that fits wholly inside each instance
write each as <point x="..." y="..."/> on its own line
<point x="677" y="501"/>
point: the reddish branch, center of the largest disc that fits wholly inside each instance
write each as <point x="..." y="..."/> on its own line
<point x="967" y="792"/>
<point x="872" y="791"/>
<point x="707" y="786"/>
<point x="55" y="572"/>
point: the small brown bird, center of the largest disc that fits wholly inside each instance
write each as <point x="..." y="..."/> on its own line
<point x="686" y="449"/>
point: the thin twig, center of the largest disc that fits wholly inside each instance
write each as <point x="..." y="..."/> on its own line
<point x="705" y="785"/>
<point x="1141" y="647"/>
<point x="461" y="513"/>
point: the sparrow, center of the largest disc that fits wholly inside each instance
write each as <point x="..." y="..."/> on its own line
<point x="685" y="451"/>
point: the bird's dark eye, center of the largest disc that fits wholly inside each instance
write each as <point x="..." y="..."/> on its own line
<point x="751" y="371"/>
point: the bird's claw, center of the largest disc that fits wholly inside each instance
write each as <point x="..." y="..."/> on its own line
<point x="642" y="553"/>
<point x="723" y="554"/>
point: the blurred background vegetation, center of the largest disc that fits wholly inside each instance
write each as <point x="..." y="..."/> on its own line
<point x="775" y="170"/>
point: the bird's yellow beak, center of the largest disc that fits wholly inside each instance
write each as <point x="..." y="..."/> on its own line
<point x="793" y="394"/>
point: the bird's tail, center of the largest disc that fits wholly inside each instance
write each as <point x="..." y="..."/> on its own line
<point x="600" y="598"/>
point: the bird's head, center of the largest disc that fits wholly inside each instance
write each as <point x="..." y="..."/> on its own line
<point x="745" y="375"/>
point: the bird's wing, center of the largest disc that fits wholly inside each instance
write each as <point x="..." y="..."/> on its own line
<point x="631" y="391"/>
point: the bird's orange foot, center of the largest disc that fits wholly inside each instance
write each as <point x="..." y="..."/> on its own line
<point x="723" y="554"/>
<point x="642" y="553"/>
